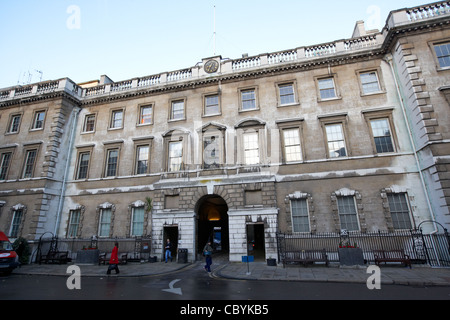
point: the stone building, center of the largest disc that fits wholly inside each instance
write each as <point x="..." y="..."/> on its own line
<point x="351" y="134"/>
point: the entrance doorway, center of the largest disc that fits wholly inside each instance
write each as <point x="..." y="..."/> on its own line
<point x="212" y="224"/>
<point x="256" y="241"/>
<point x="171" y="233"/>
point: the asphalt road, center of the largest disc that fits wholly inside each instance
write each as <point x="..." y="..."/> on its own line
<point x="193" y="290"/>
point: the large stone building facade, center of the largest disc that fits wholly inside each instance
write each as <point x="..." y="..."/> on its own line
<point x="352" y="134"/>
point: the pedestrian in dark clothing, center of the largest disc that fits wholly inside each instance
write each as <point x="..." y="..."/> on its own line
<point x="168" y="248"/>
<point x="207" y="252"/>
<point x="114" y="261"/>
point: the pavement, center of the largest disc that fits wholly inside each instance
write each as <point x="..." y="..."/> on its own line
<point x="418" y="275"/>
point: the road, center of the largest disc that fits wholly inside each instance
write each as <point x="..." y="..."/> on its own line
<point x="192" y="287"/>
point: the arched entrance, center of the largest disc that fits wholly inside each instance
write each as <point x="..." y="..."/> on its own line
<point x="212" y="224"/>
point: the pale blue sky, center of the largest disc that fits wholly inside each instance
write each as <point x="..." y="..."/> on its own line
<point x="84" y="39"/>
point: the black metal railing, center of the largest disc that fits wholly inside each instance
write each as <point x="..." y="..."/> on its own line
<point x="138" y="248"/>
<point x="432" y="249"/>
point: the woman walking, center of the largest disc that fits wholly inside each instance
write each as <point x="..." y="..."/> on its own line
<point x="114" y="261"/>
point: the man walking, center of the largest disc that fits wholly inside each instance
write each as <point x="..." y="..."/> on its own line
<point x="168" y="250"/>
<point x="207" y="252"/>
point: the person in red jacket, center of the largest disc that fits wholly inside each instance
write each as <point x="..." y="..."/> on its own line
<point x="114" y="261"/>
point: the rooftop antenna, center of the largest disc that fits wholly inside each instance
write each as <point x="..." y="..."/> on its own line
<point x="41" y="73"/>
<point x="214" y="30"/>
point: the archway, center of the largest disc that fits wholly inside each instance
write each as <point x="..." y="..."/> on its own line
<point x="212" y="224"/>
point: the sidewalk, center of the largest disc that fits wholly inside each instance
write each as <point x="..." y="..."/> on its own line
<point x="417" y="276"/>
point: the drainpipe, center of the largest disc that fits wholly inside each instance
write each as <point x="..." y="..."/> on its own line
<point x="389" y="60"/>
<point x="75" y="112"/>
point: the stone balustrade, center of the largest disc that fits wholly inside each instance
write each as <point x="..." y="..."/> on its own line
<point x="302" y="54"/>
<point x="64" y="84"/>
<point x="429" y="11"/>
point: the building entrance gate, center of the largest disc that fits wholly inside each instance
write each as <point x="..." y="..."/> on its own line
<point x="212" y="224"/>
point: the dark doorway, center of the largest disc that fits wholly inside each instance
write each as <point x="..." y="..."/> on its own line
<point x="171" y="233"/>
<point x="256" y="241"/>
<point x="212" y="224"/>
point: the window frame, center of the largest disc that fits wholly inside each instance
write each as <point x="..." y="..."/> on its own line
<point x="11" y="123"/>
<point x="333" y="119"/>
<point x="175" y="135"/>
<point x="4" y="170"/>
<point x="346" y="214"/>
<point x="294" y="101"/>
<point x="307" y="216"/>
<point x="85" y="123"/>
<point x="285" y="146"/>
<point x="407" y="214"/>
<point x="112" y="119"/>
<point x="38" y="124"/>
<point x="170" y="164"/>
<point x="246" y="150"/>
<point x="392" y="145"/>
<point x="137" y="158"/>
<point x="433" y="46"/>
<point x="255" y="99"/>
<point x="379" y="75"/>
<point x="16" y="222"/>
<point x="171" y="109"/>
<point x="102" y="223"/>
<point x="133" y="222"/>
<point x="73" y="227"/>
<point x="206" y="105"/>
<point x="32" y="166"/>
<point x="108" y="157"/>
<point x="333" y="78"/>
<point x="79" y="165"/>
<point x="141" y="116"/>
<point x="376" y="114"/>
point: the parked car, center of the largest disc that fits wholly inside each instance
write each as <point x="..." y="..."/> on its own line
<point x="9" y="260"/>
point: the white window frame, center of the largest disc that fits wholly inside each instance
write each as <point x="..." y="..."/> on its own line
<point x="4" y="167"/>
<point x="301" y="216"/>
<point x="73" y="223"/>
<point x="344" y="224"/>
<point x="16" y="222"/>
<point x="332" y="141"/>
<point x="109" y="163"/>
<point x="134" y="222"/>
<point x="180" y="116"/>
<point x="28" y="168"/>
<point x="145" y="118"/>
<point x="139" y="159"/>
<point x="299" y="156"/>
<point x="366" y="85"/>
<point x="115" y="122"/>
<point x="405" y="212"/>
<point x="248" y="149"/>
<point x="14" y="121"/>
<point x="86" y="121"/>
<point x="38" y="122"/>
<point x="104" y="222"/>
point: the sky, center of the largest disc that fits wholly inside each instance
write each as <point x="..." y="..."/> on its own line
<point x="84" y="39"/>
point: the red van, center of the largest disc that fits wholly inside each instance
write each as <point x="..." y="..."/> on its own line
<point x="9" y="260"/>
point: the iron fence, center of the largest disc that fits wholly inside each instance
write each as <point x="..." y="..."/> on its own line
<point x="137" y="248"/>
<point x="432" y="249"/>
